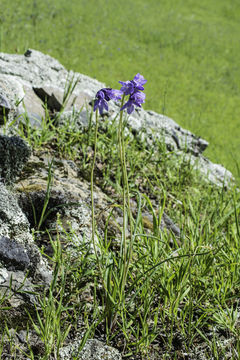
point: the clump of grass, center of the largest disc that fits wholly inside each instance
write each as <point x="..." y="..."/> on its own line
<point x="180" y="294"/>
<point x="49" y="324"/>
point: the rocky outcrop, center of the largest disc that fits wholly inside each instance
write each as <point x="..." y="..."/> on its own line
<point x="31" y="81"/>
<point x="34" y="82"/>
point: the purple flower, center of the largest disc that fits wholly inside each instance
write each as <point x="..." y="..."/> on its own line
<point x="129" y="87"/>
<point x="133" y="89"/>
<point x="139" y="81"/>
<point x="103" y="96"/>
<point x="136" y="99"/>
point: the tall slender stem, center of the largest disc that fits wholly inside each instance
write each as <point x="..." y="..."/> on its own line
<point x="92" y="173"/>
<point x="127" y="217"/>
<point x="120" y="136"/>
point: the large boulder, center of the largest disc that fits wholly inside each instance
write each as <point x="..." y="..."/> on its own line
<point x="34" y="82"/>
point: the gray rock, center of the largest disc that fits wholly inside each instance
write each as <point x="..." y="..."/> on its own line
<point x="160" y="127"/>
<point x="34" y="69"/>
<point x="14" y="154"/>
<point x="152" y="127"/>
<point x="54" y="98"/>
<point x="213" y="173"/>
<point x="19" y="255"/>
<point x="31" y="108"/>
<point x="22" y="100"/>
<point x="13" y="222"/>
<point x="92" y="350"/>
<point x="20" y="74"/>
<point x="16" y="287"/>
<point x="12" y="91"/>
<point x="169" y="224"/>
<point x="69" y="198"/>
<point x="50" y="81"/>
<point x="74" y="120"/>
<point x="13" y="255"/>
<point x="4" y="102"/>
<point x="4" y="108"/>
<point x="40" y="70"/>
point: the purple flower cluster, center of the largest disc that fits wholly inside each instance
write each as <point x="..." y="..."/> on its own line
<point x="132" y="88"/>
<point x="105" y="95"/>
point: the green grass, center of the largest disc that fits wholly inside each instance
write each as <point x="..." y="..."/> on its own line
<point x="181" y="294"/>
<point x="189" y="51"/>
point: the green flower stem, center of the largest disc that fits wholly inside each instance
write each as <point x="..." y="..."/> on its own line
<point x="120" y="136"/>
<point x="127" y="217"/>
<point x="92" y="199"/>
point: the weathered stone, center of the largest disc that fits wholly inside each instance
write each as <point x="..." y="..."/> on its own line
<point x="42" y="72"/>
<point x="34" y="69"/>
<point x="160" y="127"/>
<point x="75" y="120"/>
<point x="16" y="240"/>
<point x="78" y="100"/>
<point x="12" y="91"/>
<point x="53" y="97"/>
<point x="22" y="102"/>
<point x="92" y="350"/>
<point x="69" y="197"/>
<point x="152" y="128"/>
<point x="169" y="224"/>
<point x="13" y="255"/>
<point x="4" y="102"/>
<point x="13" y="223"/>
<point x="215" y="173"/>
<point x="32" y="108"/>
<point x="18" y="77"/>
<point x="4" y="108"/>
<point x="16" y="287"/>
<point x="14" y="154"/>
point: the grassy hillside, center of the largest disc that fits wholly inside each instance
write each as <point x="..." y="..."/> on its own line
<point x="189" y="51"/>
<point x="150" y="292"/>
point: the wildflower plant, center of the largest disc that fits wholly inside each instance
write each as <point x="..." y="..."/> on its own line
<point x="133" y="89"/>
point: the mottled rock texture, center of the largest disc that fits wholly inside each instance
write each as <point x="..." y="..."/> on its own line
<point x="19" y="255"/>
<point x="93" y="350"/>
<point x="14" y="154"/>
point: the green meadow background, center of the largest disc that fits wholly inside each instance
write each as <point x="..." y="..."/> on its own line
<point x="188" y="50"/>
